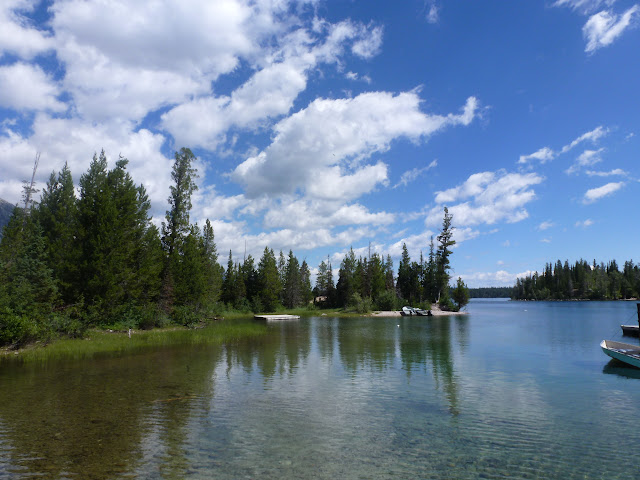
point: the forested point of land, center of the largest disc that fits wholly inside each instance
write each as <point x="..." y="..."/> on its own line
<point x="580" y="281"/>
<point x="68" y="263"/>
<point x="491" y="292"/>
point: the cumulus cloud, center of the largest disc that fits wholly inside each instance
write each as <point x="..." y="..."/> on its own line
<point x="24" y="86"/>
<point x="603" y="28"/>
<point x="17" y="36"/>
<point x="73" y="141"/>
<point x="595" y="194"/>
<point x="331" y="138"/>
<point x="487" y="198"/>
<point x="270" y="92"/>
<point x="500" y="278"/>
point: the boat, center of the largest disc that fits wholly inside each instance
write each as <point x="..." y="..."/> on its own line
<point x="423" y="313"/>
<point x="624" y="352"/>
<point x="408" y="311"/>
<point x="632" y="330"/>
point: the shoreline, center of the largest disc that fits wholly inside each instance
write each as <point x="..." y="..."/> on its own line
<point x="435" y="311"/>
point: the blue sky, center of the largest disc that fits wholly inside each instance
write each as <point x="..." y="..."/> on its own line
<point x="325" y="125"/>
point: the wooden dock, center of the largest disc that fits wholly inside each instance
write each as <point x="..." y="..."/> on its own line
<point x="276" y="317"/>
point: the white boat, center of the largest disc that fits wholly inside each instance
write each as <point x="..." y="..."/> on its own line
<point x="629" y="354"/>
<point x="407" y="311"/>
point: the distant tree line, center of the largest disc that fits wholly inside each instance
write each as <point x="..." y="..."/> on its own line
<point x="491" y="292"/>
<point x="70" y="262"/>
<point x="580" y="281"/>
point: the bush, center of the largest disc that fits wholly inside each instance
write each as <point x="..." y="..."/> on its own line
<point x="16" y="329"/>
<point x="387" y="301"/>
<point x="359" y="304"/>
<point x="186" y="315"/>
<point x="67" y="324"/>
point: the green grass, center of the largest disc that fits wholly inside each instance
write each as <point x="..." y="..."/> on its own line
<point x="102" y="343"/>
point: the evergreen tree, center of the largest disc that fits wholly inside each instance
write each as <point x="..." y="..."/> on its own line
<point x="177" y="223"/>
<point x="346" y="286"/>
<point x="460" y="294"/>
<point x="57" y="214"/>
<point x="292" y="283"/>
<point x="269" y="279"/>
<point x="404" y="274"/>
<point x="305" y="283"/>
<point x="445" y="242"/>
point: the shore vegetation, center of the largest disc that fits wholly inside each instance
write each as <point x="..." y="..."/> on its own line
<point x="91" y="258"/>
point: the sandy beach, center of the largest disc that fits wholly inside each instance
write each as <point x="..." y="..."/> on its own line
<point x="435" y="310"/>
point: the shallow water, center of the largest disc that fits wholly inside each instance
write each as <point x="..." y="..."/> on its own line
<point x="512" y="390"/>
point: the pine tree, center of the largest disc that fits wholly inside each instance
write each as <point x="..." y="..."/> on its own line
<point x="445" y="242"/>
<point x="305" y="283"/>
<point x="269" y="279"/>
<point x="57" y="214"/>
<point x="404" y="274"/>
<point x="292" y="290"/>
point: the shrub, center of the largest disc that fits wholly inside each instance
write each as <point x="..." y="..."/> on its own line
<point x="16" y="329"/>
<point x="387" y="301"/>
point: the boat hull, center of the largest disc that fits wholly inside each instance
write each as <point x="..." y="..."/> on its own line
<point x="624" y="352"/>
<point x="630" y="330"/>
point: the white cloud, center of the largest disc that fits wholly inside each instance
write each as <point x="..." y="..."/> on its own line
<point x="127" y="59"/>
<point x="546" y="240"/>
<point x="595" y="194"/>
<point x="585" y="223"/>
<point x="16" y="35"/>
<point x="368" y="45"/>
<point x="24" y="86"/>
<point x="269" y="93"/>
<point x="494" y="197"/>
<point x="329" y="140"/>
<point x="586" y="159"/>
<point x="433" y="14"/>
<point x="591" y="136"/>
<point x="604" y="27"/>
<point x="583" y="6"/>
<point x="500" y="278"/>
<point x="415" y="244"/>
<point x="611" y="173"/>
<point x="545" y="154"/>
<point x="545" y="226"/>
<point x="411" y="175"/>
<point x="300" y="214"/>
<point x="74" y="141"/>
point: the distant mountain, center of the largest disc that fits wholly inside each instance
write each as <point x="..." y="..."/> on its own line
<point x="6" y="209"/>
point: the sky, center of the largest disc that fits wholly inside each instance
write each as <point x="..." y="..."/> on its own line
<point x="321" y="126"/>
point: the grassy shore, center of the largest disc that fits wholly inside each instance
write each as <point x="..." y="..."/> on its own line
<point x="96" y="343"/>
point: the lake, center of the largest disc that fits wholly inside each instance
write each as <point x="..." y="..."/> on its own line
<point x="511" y="390"/>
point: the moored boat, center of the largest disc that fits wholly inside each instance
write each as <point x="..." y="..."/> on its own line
<point x="624" y="352"/>
<point x="632" y="330"/>
<point x="423" y="313"/>
<point x="407" y="311"/>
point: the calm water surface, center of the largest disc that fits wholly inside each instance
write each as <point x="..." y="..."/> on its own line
<point x="512" y="390"/>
